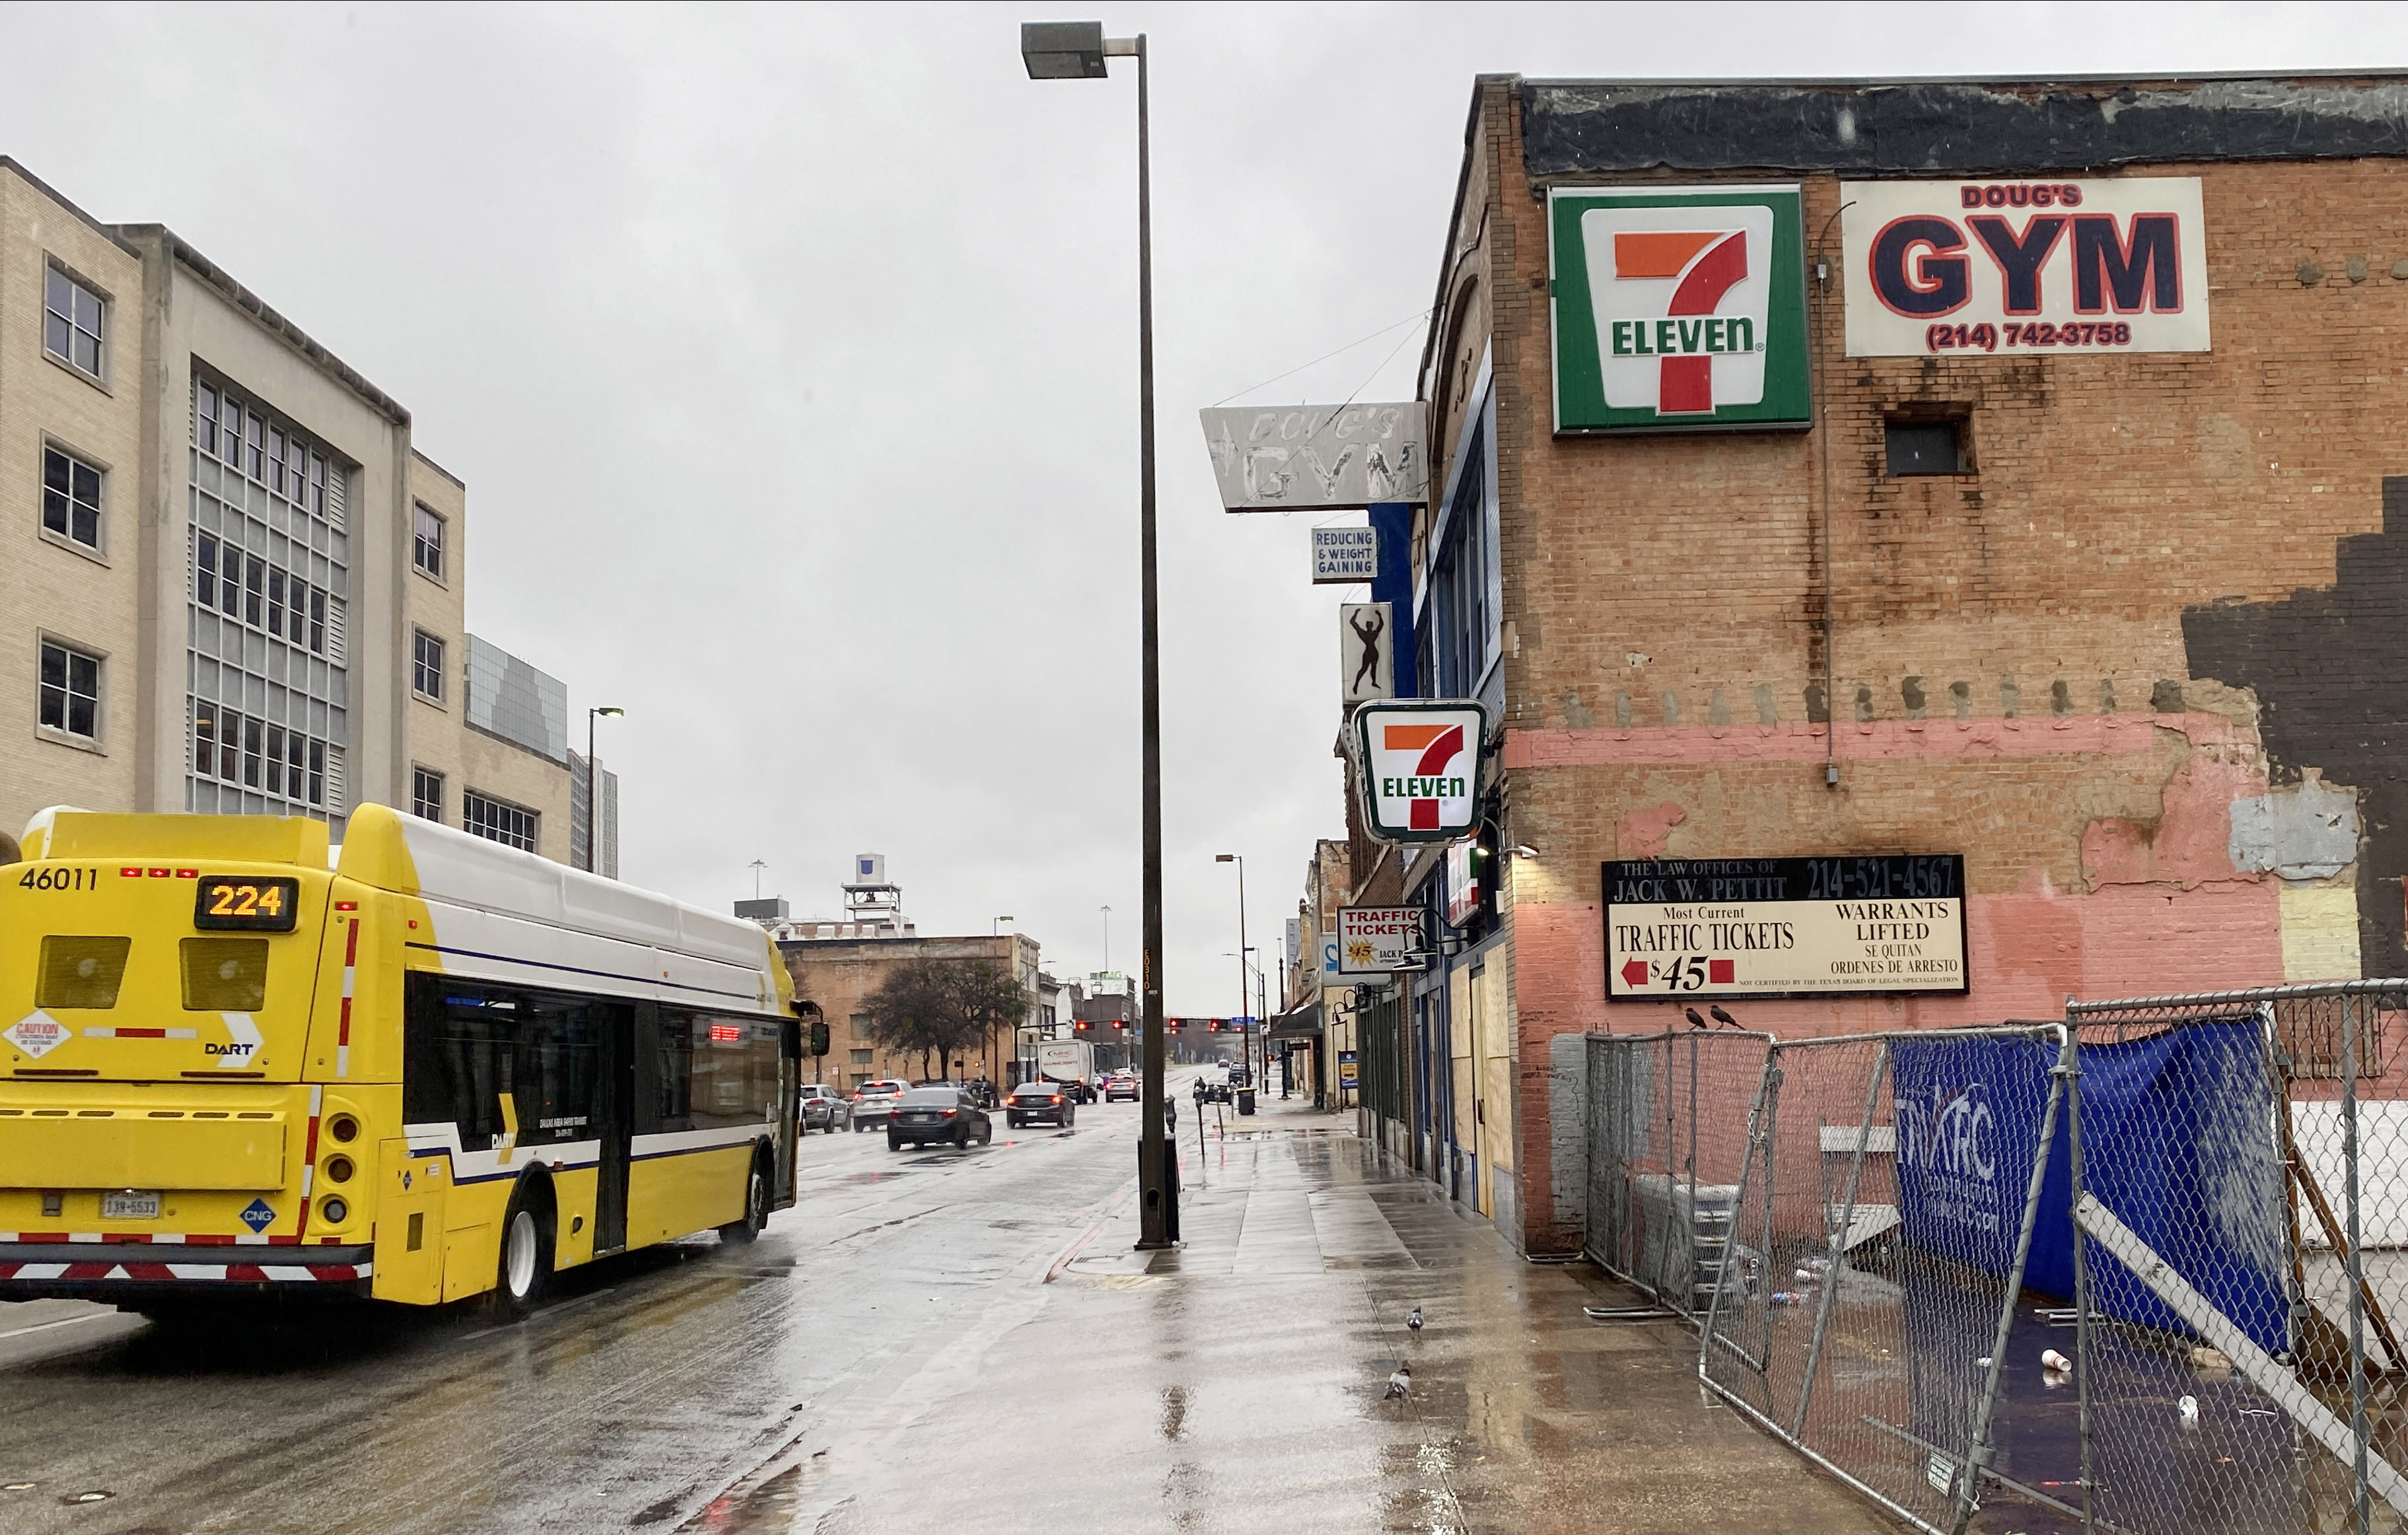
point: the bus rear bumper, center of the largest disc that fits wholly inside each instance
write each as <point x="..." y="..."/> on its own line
<point x="125" y="1273"/>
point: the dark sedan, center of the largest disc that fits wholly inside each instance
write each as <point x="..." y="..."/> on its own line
<point x="1033" y="1102"/>
<point x="927" y="1115"/>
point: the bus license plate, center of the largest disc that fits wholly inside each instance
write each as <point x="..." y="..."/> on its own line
<point x="130" y="1205"/>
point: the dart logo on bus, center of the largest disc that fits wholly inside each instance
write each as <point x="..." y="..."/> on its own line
<point x="1678" y="308"/>
<point x="1418" y="768"/>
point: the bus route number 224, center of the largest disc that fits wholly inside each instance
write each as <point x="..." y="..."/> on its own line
<point x="230" y="904"/>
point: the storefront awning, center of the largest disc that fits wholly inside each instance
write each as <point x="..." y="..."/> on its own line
<point x="1303" y="1023"/>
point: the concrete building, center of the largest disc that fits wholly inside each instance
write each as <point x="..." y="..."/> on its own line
<point x="232" y="582"/>
<point x="2003" y="479"/>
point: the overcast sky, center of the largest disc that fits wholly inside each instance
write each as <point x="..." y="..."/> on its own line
<point x="789" y="355"/>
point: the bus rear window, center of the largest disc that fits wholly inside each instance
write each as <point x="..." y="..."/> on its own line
<point x="81" y="972"/>
<point x="225" y="974"/>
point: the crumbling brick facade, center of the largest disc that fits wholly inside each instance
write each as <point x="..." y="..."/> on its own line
<point x="2118" y="664"/>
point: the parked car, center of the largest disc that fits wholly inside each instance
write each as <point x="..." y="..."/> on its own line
<point x="873" y="1101"/>
<point x="1121" y="1085"/>
<point x="926" y="1115"/>
<point x="1032" y="1101"/>
<point x="825" y="1109"/>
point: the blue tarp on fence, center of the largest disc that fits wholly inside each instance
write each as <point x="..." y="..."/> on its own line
<point x="2178" y="1141"/>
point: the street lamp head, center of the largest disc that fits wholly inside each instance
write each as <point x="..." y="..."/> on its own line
<point x="1063" y="50"/>
<point x="610" y="713"/>
<point x="1224" y="857"/>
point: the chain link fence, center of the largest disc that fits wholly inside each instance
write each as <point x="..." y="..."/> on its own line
<point x="2243" y="1254"/>
<point x="2144" y="1272"/>
<point x="1666" y="1136"/>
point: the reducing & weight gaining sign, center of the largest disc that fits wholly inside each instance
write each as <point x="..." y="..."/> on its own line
<point x="1712" y="927"/>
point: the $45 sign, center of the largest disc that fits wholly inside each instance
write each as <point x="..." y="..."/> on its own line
<point x="1682" y="972"/>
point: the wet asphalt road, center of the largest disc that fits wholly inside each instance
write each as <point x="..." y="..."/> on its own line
<point x="649" y="1388"/>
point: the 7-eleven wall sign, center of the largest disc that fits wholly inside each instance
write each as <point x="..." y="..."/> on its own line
<point x="1418" y="768"/>
<point x="1678" y="309"/>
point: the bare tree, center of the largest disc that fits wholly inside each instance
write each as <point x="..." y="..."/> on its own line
<point x="932" y="1008"/>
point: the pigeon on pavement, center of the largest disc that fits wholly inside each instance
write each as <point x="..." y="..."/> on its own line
<point x="1414" y="1322"/>
<point x="1399" y="1383"/>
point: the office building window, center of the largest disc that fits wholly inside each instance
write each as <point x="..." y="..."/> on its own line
<point x="427" y="546"/>
<point x="426" y="667"/>
<point x="270" y="572"/>
<point x="74" y="321"/>
<point x="861" y="1025"/>
<point x="497" y="821"/>
<point x="426" y="795"/>
<point x="70" y="691"/>
<point x="245" y="751"/>
<point x="70" y="497"/>
<point x="863" y="1057"/>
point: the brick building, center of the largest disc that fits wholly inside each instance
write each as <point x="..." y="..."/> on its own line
<point x="2047" y="508"/>
<point x="841" y="973"/>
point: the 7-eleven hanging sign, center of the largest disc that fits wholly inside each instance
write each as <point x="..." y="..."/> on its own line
<point x="1417" y="764"/>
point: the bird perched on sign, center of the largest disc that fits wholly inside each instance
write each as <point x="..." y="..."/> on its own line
<point x="1414" y="1322"/>
<point x="1694" y="1021"/>
<point x="1399" y="1383"/>
<point x="1723" y="1018"/>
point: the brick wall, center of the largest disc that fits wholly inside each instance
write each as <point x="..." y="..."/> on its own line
<point x="2169" y="588"/>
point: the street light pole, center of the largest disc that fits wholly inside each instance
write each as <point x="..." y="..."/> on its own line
<point x="594" y="796"/>
<point x="1245" y="1038"/>
<point x="1077" y="50"/>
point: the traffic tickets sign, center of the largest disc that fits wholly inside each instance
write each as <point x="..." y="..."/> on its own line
<point x="1678" y="309"/>
<point x="1677" y="929"/>
<point x="1417" y="768"/>
<point x="1379" y="939"/>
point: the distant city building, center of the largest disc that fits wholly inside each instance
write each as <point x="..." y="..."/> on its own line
<point x="606" y="819"/>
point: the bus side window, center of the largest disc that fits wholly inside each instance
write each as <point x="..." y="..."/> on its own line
<point x="735" y="1073"/>
<point x="559" y="1067"/>
<point x="459" y="1055"/>
<point x="676" y="1078"/>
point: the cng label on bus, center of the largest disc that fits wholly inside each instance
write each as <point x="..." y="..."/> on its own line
<point x="1678" y="308"/>
<point x="1417" y="766"/>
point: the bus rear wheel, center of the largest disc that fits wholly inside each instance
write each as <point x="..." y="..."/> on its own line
<point x="756" y="1206"/>
<point x="525" y="1268"/>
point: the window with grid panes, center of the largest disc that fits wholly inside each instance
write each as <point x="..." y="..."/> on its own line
<point x="75" y="322"/>
<point x="269" y="579"/>
<point x="426" y="544"/>
<point x="70" y="691"/>
<point x="426" y="793"/>
<point x="70" y="497"/>
<point x="426" y="665"/>
<point x="497" y="820"/>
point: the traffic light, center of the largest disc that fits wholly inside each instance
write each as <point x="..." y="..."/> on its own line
<point x="1081" y="1026"/>
<point x="819" y="1039"/>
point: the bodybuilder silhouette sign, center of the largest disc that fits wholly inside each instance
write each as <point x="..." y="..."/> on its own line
<point x="1367" y="644"/>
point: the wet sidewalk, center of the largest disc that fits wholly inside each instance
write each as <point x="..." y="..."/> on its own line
<point x="1239" y="1379"/>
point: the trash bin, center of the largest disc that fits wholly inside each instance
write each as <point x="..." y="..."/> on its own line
<point x="1245" y="1100"/>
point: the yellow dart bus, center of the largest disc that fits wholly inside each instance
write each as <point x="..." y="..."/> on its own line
<point x="419" y="1068"/>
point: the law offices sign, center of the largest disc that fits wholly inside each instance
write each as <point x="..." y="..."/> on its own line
<point x="1678" y="928"/>
<point x="2053" y="267"/>
<point x="1678" y="309"/>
